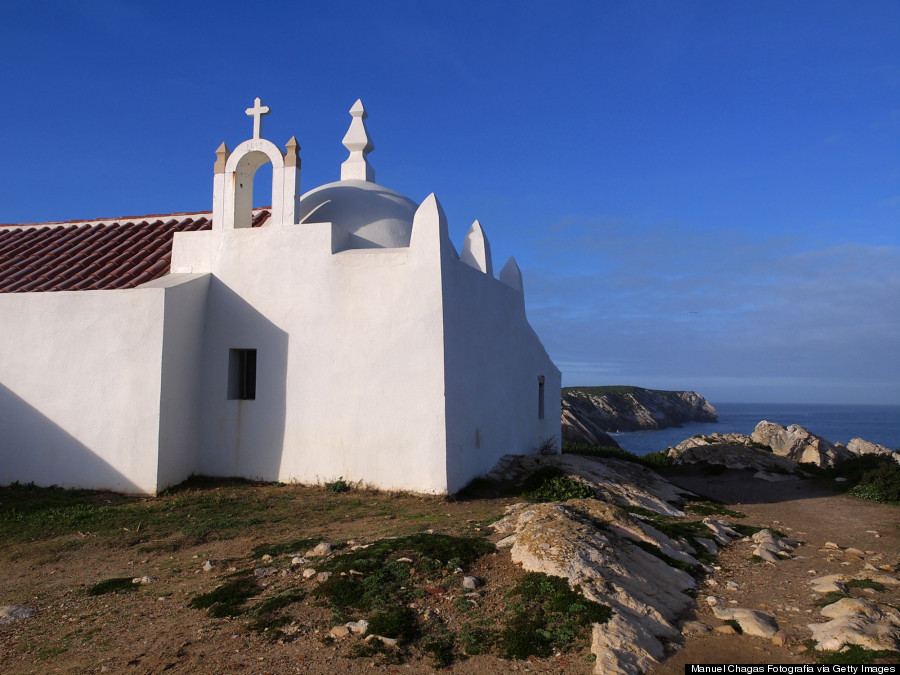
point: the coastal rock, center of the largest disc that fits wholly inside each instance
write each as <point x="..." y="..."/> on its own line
<point x="589" y="413"/>
<point x="733" y="451"/>
<point x="860" y="447"/>
<point x="613" y="480"/>
<point x="854" y="621"/>
<point x="600" y="548"/>
<point x="798" y="444"/>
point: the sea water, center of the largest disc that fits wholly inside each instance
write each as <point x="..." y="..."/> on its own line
<point x="836" y="423"/>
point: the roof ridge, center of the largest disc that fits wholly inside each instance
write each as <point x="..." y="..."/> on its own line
<point x="122" y="220"/>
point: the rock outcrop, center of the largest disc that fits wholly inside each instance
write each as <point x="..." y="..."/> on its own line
<point x="613" y="556"/>
<point x="798" y="444"/>
<point x="772" y="449"/>
<point x="589" y="414"/>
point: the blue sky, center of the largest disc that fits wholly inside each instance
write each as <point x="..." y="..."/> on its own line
<point x="701" y="195"/>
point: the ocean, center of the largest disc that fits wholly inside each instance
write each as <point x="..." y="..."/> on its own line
<point x="836" y="423"/>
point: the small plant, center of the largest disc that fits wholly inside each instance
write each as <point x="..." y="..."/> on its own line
<point x="552" y="485"/>
<point x="547" y="446"/>
<point x="549" y="615"/>
<point x="734" y="624"/>
<point x="475" y="639"/>
<point x="865" y="583"/>
<point x="830" y="598"/>
<point x="440" y="647"/>
<point x="399" y="623"/>
<point x="229" y="598"/>
<point x="857" y="655"/>
<point x="116" y="585"/>
<point x="339" y="485"/>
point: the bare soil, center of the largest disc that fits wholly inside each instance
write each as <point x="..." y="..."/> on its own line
<point x="154" y="630"/>
<point x="804" y="510"/>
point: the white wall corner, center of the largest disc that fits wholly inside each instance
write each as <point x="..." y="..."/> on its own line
<point x="476" y="250"/>
<point x="511" y="275"/>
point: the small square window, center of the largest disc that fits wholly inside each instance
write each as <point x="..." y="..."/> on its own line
<point x="241" y="374"/>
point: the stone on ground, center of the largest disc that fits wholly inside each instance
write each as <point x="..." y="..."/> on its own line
<point x="751" y="621"/>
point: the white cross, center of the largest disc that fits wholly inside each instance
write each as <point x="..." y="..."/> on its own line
<point x="256" y="112"/>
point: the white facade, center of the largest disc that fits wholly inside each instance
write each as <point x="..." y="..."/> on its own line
<point x="381" y="354"/>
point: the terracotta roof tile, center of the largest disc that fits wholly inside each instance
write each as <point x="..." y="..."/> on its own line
<point x="85" y="255"/>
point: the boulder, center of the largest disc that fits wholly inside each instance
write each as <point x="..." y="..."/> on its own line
<point x="616" y="481"/>
<point x="798" y="444"/>
<point x="854" y="621"/>
<point x="10" y="613"/>
<point x="733" y="451"/>
<point x="751" y="621"/>
<point x="592" y="544"/>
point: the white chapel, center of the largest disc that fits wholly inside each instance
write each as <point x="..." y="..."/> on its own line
<point x="336" y="333"/>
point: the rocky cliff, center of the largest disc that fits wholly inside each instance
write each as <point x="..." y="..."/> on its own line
<point x="590" y="413"/>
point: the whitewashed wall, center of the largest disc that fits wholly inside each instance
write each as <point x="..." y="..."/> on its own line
<point x="350" y="355"/>
<point x="80" y="388"/>
<point x="493" y="362"/>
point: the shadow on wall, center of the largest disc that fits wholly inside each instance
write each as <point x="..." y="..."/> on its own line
<point x="33" y="448"/>
<point x="244" y="395"/>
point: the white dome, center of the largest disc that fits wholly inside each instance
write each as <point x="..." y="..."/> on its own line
<point x="373" y="216"/>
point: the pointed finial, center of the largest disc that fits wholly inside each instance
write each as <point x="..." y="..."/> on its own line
<point x="222" y="153"/>
<point x="357" y="141"/>
<point x="256" y="112"/>
<point x="293" y="148"/>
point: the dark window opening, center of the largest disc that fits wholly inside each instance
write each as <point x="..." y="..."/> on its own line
<point x="241" y="374"/>
<point x="540" y="397"/>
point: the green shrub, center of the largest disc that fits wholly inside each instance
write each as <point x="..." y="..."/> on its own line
<point x="229" y="598"/>
<point x="552" y="485"/>
<point x="880" y="484"/>
<point x="548" y="615"/>
<point x="339" y="485"/>
<point x="653" y="460"/>
<point x="399" y="623"/>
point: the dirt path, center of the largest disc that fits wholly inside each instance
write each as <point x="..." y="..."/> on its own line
<point x="805" y="511"/>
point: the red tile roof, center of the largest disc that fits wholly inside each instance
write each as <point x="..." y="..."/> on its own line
<point x="90" y="255"/>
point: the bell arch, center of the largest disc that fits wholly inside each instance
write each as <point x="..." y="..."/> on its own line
<point x="234" y="173"/>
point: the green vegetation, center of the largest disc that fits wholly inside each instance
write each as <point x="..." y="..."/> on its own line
<point x="547" y="615"/>
<point x="865" y="583"/>
<point x="873" y="477"/>
<point x="293" y="546"/>
<point x="550" y="484"/>
<point x="116" y="585"/>
<point x="856" y="655"/>
<point x="880" y="484"/>
<point x="653" y="460"/>
<point x="339" y="485"/>
<point x="229" y="598"/>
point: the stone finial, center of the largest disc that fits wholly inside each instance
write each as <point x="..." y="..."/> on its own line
<point x="222" y="154"/>
<point x="357" y="141"/>
<point x="256" y="112"/>
<point x="292" y="157"/>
